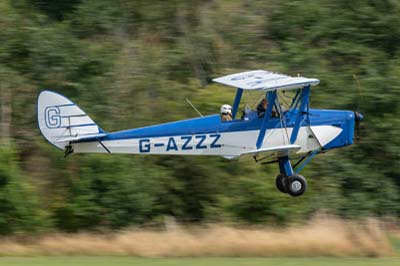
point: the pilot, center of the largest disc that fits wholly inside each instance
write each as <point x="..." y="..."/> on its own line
<point x="226" y="112"/>
<point x="262" y="107"/>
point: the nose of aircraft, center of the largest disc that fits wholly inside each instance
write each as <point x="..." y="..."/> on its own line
<point x="358" y="116"/>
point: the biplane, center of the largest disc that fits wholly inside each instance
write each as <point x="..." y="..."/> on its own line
<point x="279" y="133"/>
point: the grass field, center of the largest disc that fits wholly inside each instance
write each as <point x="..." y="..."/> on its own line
<point x="322" y="237"/>
<point x="124" y="261"/>
<point x="322" y="243"/>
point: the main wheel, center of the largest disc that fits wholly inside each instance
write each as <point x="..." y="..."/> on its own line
<point x="296" y="185"/>
<point x="280" y="183"/>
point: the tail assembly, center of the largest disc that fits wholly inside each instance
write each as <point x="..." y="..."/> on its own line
<point x="62" y="122"/>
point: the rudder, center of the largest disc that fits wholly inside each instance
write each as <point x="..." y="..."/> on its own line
<point x="60" y="119"/>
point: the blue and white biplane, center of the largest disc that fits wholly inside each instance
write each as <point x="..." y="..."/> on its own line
<point x="276" y="134"/>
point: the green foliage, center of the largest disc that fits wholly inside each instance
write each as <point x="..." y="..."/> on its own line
<point x="133" y="63"/>
<point x="112" y="193"/>
<point x="19" y="208"/>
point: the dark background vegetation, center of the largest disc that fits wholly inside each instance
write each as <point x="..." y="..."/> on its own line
<point x="133" y="63"/>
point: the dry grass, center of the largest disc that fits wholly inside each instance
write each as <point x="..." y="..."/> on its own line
<point x="320" y="237"/>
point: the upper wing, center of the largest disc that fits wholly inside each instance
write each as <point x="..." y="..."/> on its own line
<point x="265" y="80"/>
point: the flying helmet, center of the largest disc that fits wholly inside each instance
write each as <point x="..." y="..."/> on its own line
<point x="226" y="109"/>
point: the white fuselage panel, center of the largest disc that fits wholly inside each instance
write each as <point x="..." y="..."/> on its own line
<point x="223" y="144"/>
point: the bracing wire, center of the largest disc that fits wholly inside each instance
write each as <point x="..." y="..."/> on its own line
<point x="194" y="107"/>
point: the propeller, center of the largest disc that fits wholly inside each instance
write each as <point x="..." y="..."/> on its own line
<point x="358" y="116"/>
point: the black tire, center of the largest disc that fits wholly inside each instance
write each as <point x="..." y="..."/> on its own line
<point x="280" y="183"/>
<point x="296" y="185"/>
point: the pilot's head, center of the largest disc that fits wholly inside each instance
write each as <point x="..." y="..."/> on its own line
<point x="264" y="103"/>
<point x="226" y="109"/>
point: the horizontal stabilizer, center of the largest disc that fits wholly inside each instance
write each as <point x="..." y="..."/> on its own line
<point x="87" y="137"/>
<point x="272" y="152"/>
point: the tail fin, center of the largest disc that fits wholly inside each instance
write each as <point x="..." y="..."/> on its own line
<point x="61" y="121"/>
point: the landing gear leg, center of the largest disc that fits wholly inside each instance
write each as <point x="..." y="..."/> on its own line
<point x="289" y="182"/>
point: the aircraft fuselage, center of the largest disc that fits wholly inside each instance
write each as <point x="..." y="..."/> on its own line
<point x="208" y="135"/>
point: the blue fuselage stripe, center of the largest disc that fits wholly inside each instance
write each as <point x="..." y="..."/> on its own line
<point x="212" y="124"/>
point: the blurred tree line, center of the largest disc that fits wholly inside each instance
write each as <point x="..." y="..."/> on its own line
<point x="133" y="63"/>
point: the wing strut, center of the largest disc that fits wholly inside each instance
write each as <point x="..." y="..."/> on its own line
<point x="236" y="103"/>
<point x="271" y="100"/>
<point x="305" y="93"/>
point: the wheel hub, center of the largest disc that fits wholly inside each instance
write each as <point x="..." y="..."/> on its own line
<point x="296" y="186"/>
